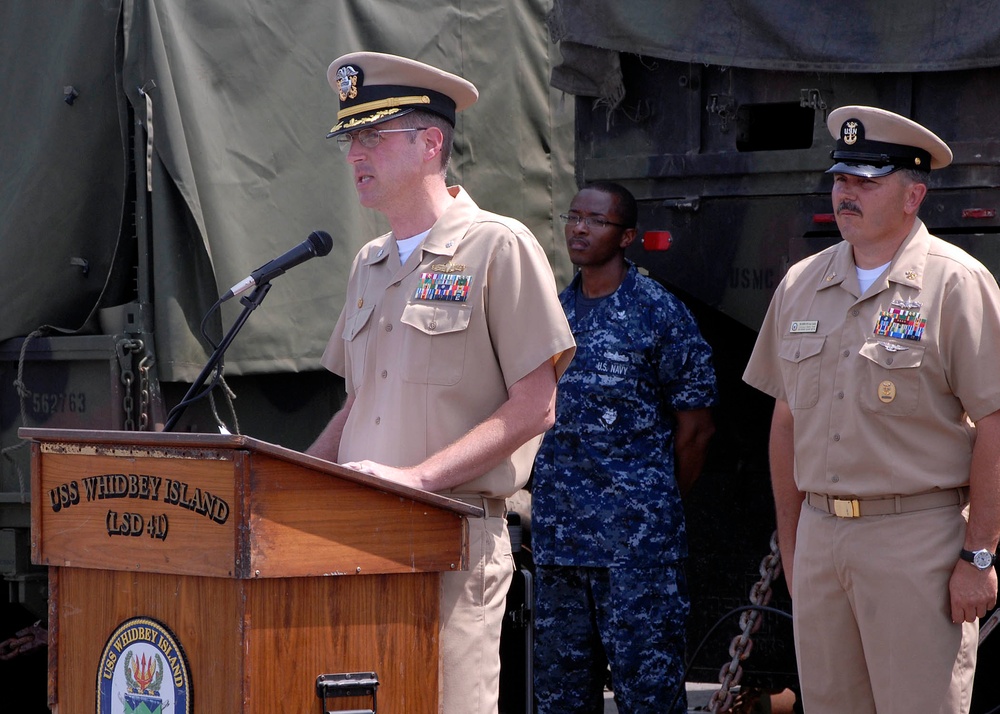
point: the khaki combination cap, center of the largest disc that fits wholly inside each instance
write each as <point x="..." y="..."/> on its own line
<point x="873" y="142"/>
<point x="375" y="87"/>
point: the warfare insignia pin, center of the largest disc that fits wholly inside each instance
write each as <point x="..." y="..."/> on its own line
<point x="348" y="79"/>
<point x="448" y="267"/>
<point x="143" y="670"/>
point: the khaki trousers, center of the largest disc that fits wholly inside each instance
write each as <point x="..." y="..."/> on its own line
<point x="872" y="615"/>
<point x="472" y="610"/>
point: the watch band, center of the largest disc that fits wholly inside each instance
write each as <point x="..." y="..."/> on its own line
<point x="982" y="559"/>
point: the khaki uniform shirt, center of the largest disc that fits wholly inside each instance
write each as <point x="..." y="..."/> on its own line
<point x="882" y="386"/>
<point x="429" y="349"/>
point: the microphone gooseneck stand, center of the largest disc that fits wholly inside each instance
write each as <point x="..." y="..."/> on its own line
<point x="250" y="303"/>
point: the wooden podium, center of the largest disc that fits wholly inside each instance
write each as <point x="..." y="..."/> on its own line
<point x="268" y="567"/>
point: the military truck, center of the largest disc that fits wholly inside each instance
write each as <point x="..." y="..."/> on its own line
<point x="714" y="115"/>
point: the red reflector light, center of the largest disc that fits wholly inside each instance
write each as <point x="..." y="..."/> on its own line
<point x="824" y="218"/>
<point x="656" y="240"/>
<point x="979" y="213"/>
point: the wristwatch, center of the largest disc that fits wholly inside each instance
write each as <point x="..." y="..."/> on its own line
<point x="982" y="559"/>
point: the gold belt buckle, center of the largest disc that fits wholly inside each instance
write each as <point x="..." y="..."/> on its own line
<point x="846" y="509"/>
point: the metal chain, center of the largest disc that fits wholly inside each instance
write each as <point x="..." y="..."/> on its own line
<point x="144" y="398"/>
<point x="750" y="622"/>
<point x="26" y="640"/>
<point x="127" y="401"/>
<point x="126" y="349"/>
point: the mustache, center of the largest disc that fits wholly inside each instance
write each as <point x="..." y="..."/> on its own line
<point x="851" y="206"/>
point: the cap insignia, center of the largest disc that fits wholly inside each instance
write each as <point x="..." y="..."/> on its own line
<point x="348" y="78"/>
<point x="849" y="132"/>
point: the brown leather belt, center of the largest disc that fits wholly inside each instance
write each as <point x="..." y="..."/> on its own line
<point x="858" y="507"/>
<point x="492" y="507"/>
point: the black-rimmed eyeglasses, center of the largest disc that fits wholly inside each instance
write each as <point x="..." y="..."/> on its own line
<point x="572" y="219"/>
<point x="369" y="138"/>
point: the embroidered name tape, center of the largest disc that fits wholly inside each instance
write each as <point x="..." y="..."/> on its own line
<point x="443" y="286"/>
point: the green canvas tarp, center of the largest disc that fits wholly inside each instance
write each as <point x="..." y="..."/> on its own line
<point x="779" y="35"/>
<point x="239" y="168"/>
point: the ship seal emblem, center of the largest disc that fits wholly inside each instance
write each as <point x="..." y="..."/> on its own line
<point x="143" y="670"/>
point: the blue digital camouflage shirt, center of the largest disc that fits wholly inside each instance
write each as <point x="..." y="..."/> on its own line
<point x="604" y="491"/>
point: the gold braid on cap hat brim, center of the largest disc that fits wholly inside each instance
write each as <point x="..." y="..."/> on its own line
<point x="390" y="103"/>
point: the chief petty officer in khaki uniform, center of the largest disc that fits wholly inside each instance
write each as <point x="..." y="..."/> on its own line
<point x="883" y="356"/>
<point x="451" y="342"/>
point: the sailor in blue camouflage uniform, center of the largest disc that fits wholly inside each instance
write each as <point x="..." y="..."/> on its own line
<point x="633" y="422"/>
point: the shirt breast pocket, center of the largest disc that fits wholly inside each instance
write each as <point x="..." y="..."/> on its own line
<point x="356" y="342"/>
<point x="800" y="365"/>
<point x="892" y="386"/>
<point x="434" y="348"/>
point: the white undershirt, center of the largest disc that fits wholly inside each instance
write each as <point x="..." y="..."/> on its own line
<point x="867" y="277"/>
<point x="406" y="246"/>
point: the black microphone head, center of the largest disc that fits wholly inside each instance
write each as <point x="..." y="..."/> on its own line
<point x="321" y="242"/>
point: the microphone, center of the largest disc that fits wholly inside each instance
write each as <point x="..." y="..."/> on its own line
<point x="318" y="243"/>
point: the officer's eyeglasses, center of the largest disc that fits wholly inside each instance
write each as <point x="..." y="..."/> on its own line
<point x="369" y="138"/>
<point x="572" y="219"/>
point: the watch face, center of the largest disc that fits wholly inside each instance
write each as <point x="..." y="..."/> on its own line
<point x="982" y="559"/>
